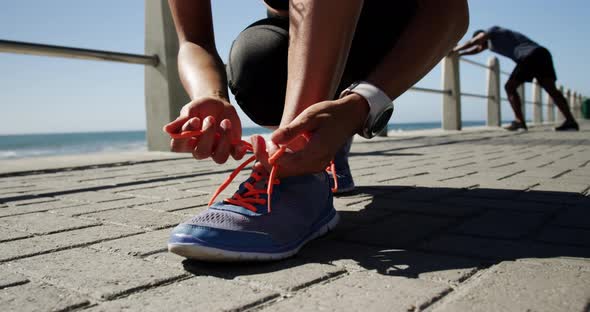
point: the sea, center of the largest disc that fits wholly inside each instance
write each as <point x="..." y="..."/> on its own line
<point x="55" y="144"/>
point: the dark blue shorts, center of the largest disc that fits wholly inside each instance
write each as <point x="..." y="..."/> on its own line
<point x="539" y="64"/>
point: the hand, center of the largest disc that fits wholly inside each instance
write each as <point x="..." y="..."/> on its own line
<point x="327" y="124"/>
<point x="220" y="126"/>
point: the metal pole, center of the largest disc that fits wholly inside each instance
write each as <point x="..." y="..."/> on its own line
<point x="494" y="100"/>
<point x="560" y="117"/>
<point x="537" y="103"/>
<point x="550" y="109"/>
<point x="18" y="47"/>
<point x="521" y="93"/>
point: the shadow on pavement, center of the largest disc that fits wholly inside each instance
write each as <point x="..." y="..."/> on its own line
<point x="403" y="231"/>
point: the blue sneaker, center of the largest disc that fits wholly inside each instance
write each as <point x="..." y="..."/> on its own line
<point x="343" y="174"/>
<point x="244" y="228"/>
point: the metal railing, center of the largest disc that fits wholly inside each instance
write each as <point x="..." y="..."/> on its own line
<point x="429" y="90"/>
<point x="69" y="52"/>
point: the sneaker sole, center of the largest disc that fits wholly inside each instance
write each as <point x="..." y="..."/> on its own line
<point x="205" y="253"/>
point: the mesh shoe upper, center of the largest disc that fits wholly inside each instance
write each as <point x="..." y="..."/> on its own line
<point x="298" y="203"/>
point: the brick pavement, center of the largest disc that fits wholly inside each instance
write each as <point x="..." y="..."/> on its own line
<point x="478" y="220"/>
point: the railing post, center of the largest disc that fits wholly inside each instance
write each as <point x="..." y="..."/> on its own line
<point x="494" y="100"/>
<point x="578" y="112"/>
<point x="451" y="110"/>
<point x="560" y="117"/>
<point x="537" y="103"/>
<point x="580" y="103"/>
<point x="568" y="97"/>
<point x="164" y="95"/>
<point x="521" y="93"/>
<point x="550" y="109"/>
<point x="574" y="104"/>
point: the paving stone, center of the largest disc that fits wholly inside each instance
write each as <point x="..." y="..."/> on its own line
<point x="364" y="291"/>
<point x="355" y="215"/>
<point x="494" y="249"/>
<point x="425" y="194"/>
<point x="37" y="207"/>
<point x="554" y="186"/>
<point x="582" y="264"/>
<point x="177" y="204"/>
<point x="288" y="275"/>
<point x="138" y="218"/>
<point x="11" y="279"/>
<point x="199" y="293"/>
<point x="555" y="197"/>
<point x="10" y="234"/>
<point x="167" y="258"/>
<point x="512" y="286"/>
<point x="502" y="224"/>
<point x="44" y="223"/>
<point x="494" y="191"/>
<point x="137" y="245"/>
<point x="42" y="244"/>
<point x="96" y="207"/>
<point x="574" y="217"/>
<point x="397" y="231"/>
<point x="567" y="236"/>
<point x="39" y="297"/>
<point x="503" y="204"/>
<point x="109" y="275"/>
<point x="30" y="201"/>
<point x="394" y="262"/>
<point x="437" y="208"/>
<point x="93" y="197"/>
<point x="158" y="192"/>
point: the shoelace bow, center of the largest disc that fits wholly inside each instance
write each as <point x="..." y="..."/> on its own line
<point x="252" y="195"/>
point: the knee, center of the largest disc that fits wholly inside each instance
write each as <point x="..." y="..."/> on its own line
<point x="257" y="71"/>
<point x="510" y="87"/>
<point x="256" y="54"/>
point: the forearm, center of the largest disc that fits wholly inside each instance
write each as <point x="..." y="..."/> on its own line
<point x="473" y="51"/>
<point x="320" y="34"/>
<point x="465" y="46"/>
<point x="434" y="30"/>
<point x="201" y="71"/>
<point x="200" y="67"/>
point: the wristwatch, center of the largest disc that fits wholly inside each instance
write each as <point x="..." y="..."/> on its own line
<point x="380" y="107"/>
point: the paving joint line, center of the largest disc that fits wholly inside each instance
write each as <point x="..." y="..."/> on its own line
<point x="74" y="246"/>
<point x="13" y="284"/>
<point x="511" y="175"/>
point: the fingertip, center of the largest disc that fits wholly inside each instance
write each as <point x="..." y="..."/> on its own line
<point x="225" y="125"/>
<point x="195" y="123"/>
<point x="192" y="124"/>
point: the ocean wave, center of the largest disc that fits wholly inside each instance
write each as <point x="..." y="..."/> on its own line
<point x="72" y="150"/>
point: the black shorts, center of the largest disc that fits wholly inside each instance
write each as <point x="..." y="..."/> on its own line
<point x="257" y="64"/>
<point x="537" y="65"/>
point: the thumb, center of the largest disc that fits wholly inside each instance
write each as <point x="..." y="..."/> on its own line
<point x="300" y="125"/>
<point x="176" y="125"/>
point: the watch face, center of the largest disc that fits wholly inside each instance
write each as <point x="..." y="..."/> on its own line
<point x="381" y="121"/>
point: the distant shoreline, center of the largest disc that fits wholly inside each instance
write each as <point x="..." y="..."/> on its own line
<point x="19" y="146"/>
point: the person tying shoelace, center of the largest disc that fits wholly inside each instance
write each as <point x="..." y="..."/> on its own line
<point x="316" y="72"/>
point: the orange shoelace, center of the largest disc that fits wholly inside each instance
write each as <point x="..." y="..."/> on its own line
<point x="252" y="196"/>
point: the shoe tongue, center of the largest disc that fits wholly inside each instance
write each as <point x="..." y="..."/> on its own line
<point x="261" y="184"/>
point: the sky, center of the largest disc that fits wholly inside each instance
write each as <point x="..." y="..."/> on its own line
<point x="47" y="94"/>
